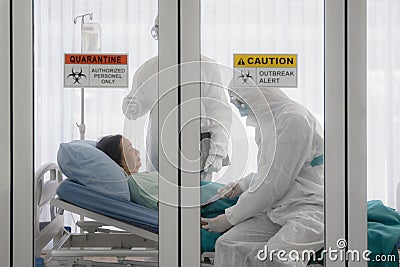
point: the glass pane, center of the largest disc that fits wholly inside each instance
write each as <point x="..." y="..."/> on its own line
<point x="270" y="59"/>
<point x="383" y="96"/>
<point x="383" y="125"/>
<point x="90" y="60"/>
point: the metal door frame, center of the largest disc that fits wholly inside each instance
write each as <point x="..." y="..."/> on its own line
<point x="5" y="132"/>
<point x="345" y="127"/>
<point x="22" y="189"/>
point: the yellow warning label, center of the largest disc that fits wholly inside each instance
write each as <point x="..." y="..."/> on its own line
<point x="265" y="60"/>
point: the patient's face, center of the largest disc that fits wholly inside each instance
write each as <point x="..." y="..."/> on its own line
<point x="130" y="157"/>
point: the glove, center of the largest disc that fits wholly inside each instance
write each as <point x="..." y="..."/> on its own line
<point x="230" y="190"/>
<point x="131" y="107"/>
<point x="213" y="163"/>
<point x="218" y="224"/>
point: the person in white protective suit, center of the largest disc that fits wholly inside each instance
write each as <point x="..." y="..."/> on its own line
<point x="215" y="111"/>
<point x="281" y="207"/>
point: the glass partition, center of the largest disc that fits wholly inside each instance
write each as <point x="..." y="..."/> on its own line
<point x="383" y="172"/>
<point x="382" y="114"/>
<point x="93" y="118"/>
<point x="268" y="65"/>
<point x="261" y="129"/>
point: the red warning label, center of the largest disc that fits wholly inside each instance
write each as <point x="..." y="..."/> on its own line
<point x="96" y="70"/>
<point x="103" y="59"/>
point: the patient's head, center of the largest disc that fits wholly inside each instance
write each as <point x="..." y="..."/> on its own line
<point x="120" y="149"/>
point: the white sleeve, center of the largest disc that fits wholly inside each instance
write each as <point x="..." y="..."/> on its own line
<point x="144" y="87"/>
<point x="293" y="144"/>
<point x="217" y="108"/>
<point x="244" y="182"/>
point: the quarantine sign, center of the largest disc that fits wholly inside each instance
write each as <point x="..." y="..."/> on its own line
<point x="265" y="70"/>
<point x="95" y="70"/>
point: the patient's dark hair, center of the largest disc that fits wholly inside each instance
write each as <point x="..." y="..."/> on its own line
<point x="111" y="145"/>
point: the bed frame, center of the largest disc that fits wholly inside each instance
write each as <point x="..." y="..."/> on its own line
<point x="57" y="246"/>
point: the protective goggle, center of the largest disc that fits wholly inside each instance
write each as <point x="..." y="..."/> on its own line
<point x="237" y="101"/>
<point x="154" y="32"/>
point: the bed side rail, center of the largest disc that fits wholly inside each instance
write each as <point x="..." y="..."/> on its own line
<point x="47" y="179"/>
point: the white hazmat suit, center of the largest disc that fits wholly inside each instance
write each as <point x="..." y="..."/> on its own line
<point x="282" y="205"/>
<point x="215" y="111"/>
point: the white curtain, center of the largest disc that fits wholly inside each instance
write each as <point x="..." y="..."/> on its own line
<point x="383" y="100"/>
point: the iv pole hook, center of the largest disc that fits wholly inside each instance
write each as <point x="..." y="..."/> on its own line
<point x="83" y="17"/>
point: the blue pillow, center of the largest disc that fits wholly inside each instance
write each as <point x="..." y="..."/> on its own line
<point x="82" y="162"/>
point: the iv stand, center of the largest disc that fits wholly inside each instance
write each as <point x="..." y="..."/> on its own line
<point x="82" y="126"/>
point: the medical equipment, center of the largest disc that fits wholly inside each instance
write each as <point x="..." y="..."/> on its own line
<point x="55" y="246"/>
<point x="134" y="244"/>
<point x="90" y="33"/>
<point x="90" y="42"/>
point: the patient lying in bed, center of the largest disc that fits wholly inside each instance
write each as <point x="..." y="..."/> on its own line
<point x="143" y="186"/>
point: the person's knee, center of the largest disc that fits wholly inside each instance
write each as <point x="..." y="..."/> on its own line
<point x="221" y="242"/>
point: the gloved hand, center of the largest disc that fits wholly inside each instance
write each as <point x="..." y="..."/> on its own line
<point x="213" y="163"/>
<point x="131" y="107"/>
<point x="218" y="224"/>
<point x="230" y="190"/>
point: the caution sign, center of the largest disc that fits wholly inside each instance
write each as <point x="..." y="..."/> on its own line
<point x="96" y="70"/>
<point x="265" y="70"/>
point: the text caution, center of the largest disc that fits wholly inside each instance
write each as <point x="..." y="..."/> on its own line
<point x="265" y="70"/>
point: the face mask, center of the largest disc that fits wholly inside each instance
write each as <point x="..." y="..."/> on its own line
<point x="251" y="120"/>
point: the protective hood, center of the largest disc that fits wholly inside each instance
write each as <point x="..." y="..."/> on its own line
<point x="263" y="104"/>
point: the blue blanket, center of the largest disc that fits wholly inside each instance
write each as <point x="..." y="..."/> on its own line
<point x="383" y="233"/>
<point x="216" y="208"/>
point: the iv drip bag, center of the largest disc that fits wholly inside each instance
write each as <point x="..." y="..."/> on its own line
<point x="90" y="37"/>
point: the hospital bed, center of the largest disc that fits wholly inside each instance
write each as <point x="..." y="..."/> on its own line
<point x="134" y="243"/>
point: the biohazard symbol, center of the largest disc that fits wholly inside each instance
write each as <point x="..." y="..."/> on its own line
<point x="76" y="76"/>
<point x="245" y="77"/>
<point x="241" y="61"/>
